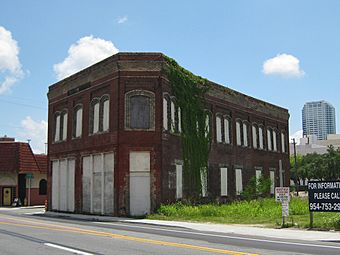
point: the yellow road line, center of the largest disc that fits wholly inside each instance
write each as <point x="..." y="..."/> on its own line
<point x="130" y="238"/>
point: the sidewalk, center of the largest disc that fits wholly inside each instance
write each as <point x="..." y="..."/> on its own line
<point x="285" y="233"/>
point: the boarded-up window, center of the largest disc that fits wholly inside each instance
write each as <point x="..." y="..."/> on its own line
<point x="274" y="141"/>
<point x="254" y="136"/>
<point x="77" y="121"/>
<point x="64" y="126"/>
<point x="238" y="133"/>
<point x="238" y="181"/>
<point x="224" y="181"/>
<point x="165" y="114"/>
<point x="173" y="120"/>
<point x="283" y="143"/>
<point x="179" y="120"/>
<point x="261" y="137"/>
<point x="258" y="174"/>
<point x="139" y="112"/>
<point x="106" y="114"/>
<point x="269" y="140"/>
<point x="245" y="134"/>
<point x="204" y="182"/>
<point x="218" y="129"/>
<point x="95" y="119"/>
<point x="179" y="181"/>
<point x="226" y="131"/>
<point x="57" y="128"/>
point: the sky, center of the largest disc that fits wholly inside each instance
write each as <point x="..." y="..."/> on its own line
<point x="283" y="52"/>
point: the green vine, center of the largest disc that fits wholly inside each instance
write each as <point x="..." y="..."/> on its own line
<point x="189" y="91"/>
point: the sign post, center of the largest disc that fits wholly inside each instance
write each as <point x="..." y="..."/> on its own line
<point x="323" y="196"/>
<point x="282" y="195"/>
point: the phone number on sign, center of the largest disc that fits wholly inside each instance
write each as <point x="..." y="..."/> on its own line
<point x="324" y="206"/>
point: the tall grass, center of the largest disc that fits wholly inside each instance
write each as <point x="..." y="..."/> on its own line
<point x="266" y="212"/>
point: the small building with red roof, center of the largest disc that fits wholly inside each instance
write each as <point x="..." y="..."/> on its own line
<point x="23" y="174"/>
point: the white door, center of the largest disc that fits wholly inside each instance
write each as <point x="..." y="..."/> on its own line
<point x="139" y="183"/>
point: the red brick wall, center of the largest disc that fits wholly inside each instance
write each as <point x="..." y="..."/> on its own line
<point x="36" y="199"/>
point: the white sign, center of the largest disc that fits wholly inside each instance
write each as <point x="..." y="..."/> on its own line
<point x="285" y="209"/>
<point x="282" y="194"/>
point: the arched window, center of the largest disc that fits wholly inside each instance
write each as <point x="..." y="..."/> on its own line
<point x="255" y="136"/>
<point x="165" y="113"/>
<point x="100" y="115"/>
<point x="219" y="129"/>
<point x="227" y="130"/>
<point x="42" y="187"/>
<point x="94" y="116"/>
<point x="283" y="142"/>
<point x="60" y="126"/>
<point x="245" y="134"/>
<point x="274" y="140"/>
<point x="139" y="110"/>
<point x="238" y="133"/>
<point x="77" y="121"/>
<point x="105" y="113"/>
<point x="269" y="139"/>
<point x="261" y="146"/>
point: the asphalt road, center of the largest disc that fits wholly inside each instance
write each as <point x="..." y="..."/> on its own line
<point x="24" y="233"/>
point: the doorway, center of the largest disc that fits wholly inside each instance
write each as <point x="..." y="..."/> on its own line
<point x="7" y="196"/>
<point x="139" y="183"/>
<point x="22" y="187"/>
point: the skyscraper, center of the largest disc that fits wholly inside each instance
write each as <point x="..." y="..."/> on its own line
<point x="318" y="118"/>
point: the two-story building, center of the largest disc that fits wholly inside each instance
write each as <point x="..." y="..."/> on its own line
<point x="115" y="145"/>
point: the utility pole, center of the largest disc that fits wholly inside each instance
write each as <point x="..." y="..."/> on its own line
<point x="295" y="166"/>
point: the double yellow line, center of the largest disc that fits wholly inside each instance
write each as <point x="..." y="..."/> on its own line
<point x="54" y="227"/>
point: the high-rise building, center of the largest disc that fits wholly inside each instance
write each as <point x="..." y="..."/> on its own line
<point x="318" y="118"/>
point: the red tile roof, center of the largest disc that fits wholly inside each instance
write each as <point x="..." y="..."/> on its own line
<point x="19" y="157"/>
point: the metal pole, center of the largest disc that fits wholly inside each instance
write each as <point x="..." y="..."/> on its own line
<point x="295" y="166"/>
<point x="311" y="219"/>
<point x="29" y="191"/>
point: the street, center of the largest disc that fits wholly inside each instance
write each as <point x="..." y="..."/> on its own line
<point x="23" y="231"/>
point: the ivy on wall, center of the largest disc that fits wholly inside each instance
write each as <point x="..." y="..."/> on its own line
<point x="189" y="91"/>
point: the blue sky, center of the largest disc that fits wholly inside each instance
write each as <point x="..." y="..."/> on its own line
<point x="283" y="52"/>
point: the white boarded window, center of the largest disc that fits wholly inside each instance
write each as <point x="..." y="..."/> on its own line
<point x="106" y="115"/>
<point x="283" y="144"/>
<point x="78" y="122"/>
<point x="218" y="129"/>
<point x="269" y="140"/>
<point x="272" y="180"/>
<point x="165" y="113"/>
<point x="95" y="118"/>
<point x="57" y="128"/>
<point x="245" y="135"/>
<point x="226" y="131"/>
<point x="260" y="137"/>
<point x="179" y="181"/>
<point x="254" y="136"/>
<point x="173" y="123"/>
<point x="64" y="126"/>
<point x="238" y="181"/>
<point x="224" y="181"/>
<point x="179" y="120"/>
<point x="207" y="125"/>
<point x="204" y="182"/>
<point x="238" y="133"/>
<point x="258" y="173"/>
<point x="274" y="141"/>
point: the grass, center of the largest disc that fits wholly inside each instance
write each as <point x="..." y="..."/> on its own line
<point x="265" y="212"/>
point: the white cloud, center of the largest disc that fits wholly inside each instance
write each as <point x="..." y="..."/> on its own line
<point x="10" y="66"/>
<point x="36" y="131"/>
<point x="122" y="20"/>
<point x="87" y="51"/>
<point x="283" y="65"/>
<point x="297" y="135"/>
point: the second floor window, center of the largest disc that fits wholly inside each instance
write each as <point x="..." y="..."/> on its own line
<point x="77" y="121"/>
<point x="60" y="126"/>
<point x="100" y="115"/>
<point x="139" y="110"/>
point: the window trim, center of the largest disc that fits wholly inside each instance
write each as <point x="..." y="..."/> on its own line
<point x="139" y="92"/>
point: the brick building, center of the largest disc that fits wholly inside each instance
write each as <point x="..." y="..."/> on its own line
<point x="23" y="174"/>
<point x="115" y="148"/>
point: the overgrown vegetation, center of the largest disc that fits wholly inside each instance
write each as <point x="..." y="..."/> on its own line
<point x="257" y="188"/>
<point x="189" y="91"/>
<point x="265" y="211"/>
